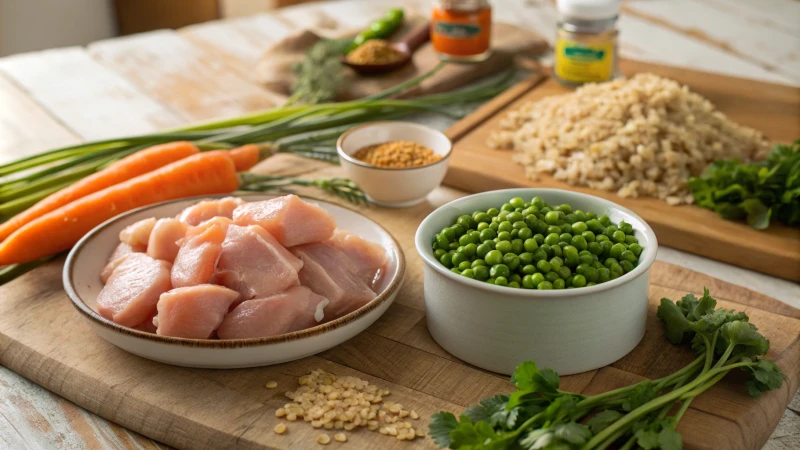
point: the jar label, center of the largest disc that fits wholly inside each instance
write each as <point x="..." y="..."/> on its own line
<point x="457" y="30"/>
<point x="584" y="63"/>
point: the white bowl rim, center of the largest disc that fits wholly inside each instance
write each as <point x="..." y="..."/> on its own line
<point x="427" y="129"/>
<point x="423" y="244"/>
<point x="91" y="314"/>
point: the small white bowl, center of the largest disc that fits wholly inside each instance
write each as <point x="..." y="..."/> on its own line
<point x="396" y="188"/>
<point x="569" y="331"/>
<point x="88" y="257"/>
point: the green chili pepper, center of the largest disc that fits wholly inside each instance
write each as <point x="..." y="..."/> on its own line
<point x="379" y="29"/>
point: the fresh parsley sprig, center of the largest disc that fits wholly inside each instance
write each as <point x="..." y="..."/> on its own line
<point x="540" y="416"/>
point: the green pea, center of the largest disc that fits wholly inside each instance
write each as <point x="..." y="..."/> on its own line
<point x="601" y="238"/>
<point x="482" y="226"/>
<point x="551" y="276"/>
<point x="555" y="263"/>
<point x="541" y="227"/>
<point x="618" y="236"/>
<point x="515" y="277"/>
<point x="469" y="273"/>
<point x="517" y="246"/>
<point x="530" y="245"/>
<point x="543" y="266"/>
<point x="446" y="260"/>
<point x="499" y="270"/>
<point x="570" y="218"/>
<point x="616" y="271"/>
<point x="627" y="266"/>
<point x="493" y="257"/>
<point x="494" y="226"/>
<point x="529" y="269"/>
<point x="564" y="208"/>
<point x="538" y="202"/>
<point x="518" y="225"/>
<point x="551" y="239"/>
<point x="557" y="250"/>
<point x="609" y="262"/>
<point x="553" y="229"/>
<point x="548" y="250"/>
<point x="442" y="242"/>
<point x="579" y="242"/>
<point x="604" y="220"/>
<point x="627" y="255"/>
<point x="579" y="227"/>
<point x="586" y="259"/>
<point x="545" y="285"/>
<point x="594" y="225"/>
<point x="636" y="249"/>
<point x="460" y="249"/>
<point x="455" y="271"/>
<point x="630" y="239"/>
<point x="514" y="233"/>
<point x="545" y="210"/>
<point x="503" y="236"/>
<point x="505" y="226"/>
<point x="590" y="273"/>
<point x="539" y="238"/>
<point x="487" y="235"/>
<point x="581" y="269"/>
<point x="594" y="248"/>
<point x="578" y="281"/>
<point x="513" y="284"/>
<point x="492" y="212"/>
<point x="566" y="228"/>
<point x="527" y="282"/>
<point x="453" y="245"/>
<point x="479" y="217"/>
<point x="511" y="260"/>
<point x="529" y="211"/>
<point x="490" y="280"/>
<point x="438" y="253"/>
<point x="503" y="246"/>
<point x="458" y="230"/>
<point x="580" y="214"/>
<point x="539" y="255"/>
<point x="625" y="227"/>
<point x="589" y="236"/>
<point x="607" y="246"/>
<point x="616" y="250"/>
<point x="464" y="265"/>
<point x="559" y="284"/>
<point x="603" y="275"/>
<point x="590" y="215"/>
<point x="514" y="217"/>
<point x="449" y="233"/>
<point x="568" y="281"/>
<point x="483" y="249"/>
<point x="481" y="272"/>
<point x="552" y="217"/>
<point x="516" y="202"/>
<point x="525" y="258"/>
<point x="465" y="239"/>
<point x="458" y="258"/>
<point x="564" y="272"/>
<point x="536" y="278"/>
<point x="466" y="221"/>
<point x="501" y="281"/>
<point x="525" y="233"/>
<point x="477" y="263"/>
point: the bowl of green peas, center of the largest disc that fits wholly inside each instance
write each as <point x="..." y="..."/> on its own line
<point x="549" y="275"/>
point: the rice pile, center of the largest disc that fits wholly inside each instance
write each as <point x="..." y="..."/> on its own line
<point x="643" y="136"/>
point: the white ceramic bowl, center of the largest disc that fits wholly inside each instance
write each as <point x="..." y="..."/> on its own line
<point x="397" y="188"/>
<point x="569" y="331"/>
<point x="82" y="283"/>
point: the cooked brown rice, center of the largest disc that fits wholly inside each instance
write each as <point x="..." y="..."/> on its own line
<point x="643" y="136"/>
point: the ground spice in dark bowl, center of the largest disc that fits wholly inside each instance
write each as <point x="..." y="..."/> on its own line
<point x="375" y="51"/>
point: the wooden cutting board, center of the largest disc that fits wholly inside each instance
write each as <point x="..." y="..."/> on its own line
<point x="770" y="108"/>
<point x="45" y="340"/>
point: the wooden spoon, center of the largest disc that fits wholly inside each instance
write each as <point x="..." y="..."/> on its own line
<point x="407" y="45"/>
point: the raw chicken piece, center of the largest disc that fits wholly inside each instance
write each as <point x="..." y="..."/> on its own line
<point x="132" y="292"/>
<point x="147" y="326"/>
<point x="368" y="257"/>
<point x="254" y="264"/>
<point x="208" y="209"/>
<point x="164" y="237"/>
<point x="291" y="220"/>
<point x="137" y="234"/>
<point x="330" y="273"/>
<point x="296" y="309"/>
<point x="197" y="258"/>
<point x="223" y="222"/>
<point x="193" y="312"/>
<point x="116" y="258"/>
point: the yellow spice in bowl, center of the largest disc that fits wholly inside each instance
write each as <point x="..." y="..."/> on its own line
<point x="374" y="51"/>
<point x="397" y="155"/>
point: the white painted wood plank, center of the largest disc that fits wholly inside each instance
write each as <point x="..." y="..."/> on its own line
<point x="770" y="47"/>
<point x="783" y="14"/>
<point x="93" y="101"/>
<point x="192" y="81"/>
<point x="25" y="127"/>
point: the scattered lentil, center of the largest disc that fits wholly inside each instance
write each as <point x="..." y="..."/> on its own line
<point x="397" y="155"/>
<point x="375" y="51"/>
<point x="323" y="439"/>
<point x="272" y="384"/>
<point x="340" y="437"/>
<point x="280" y="428"/>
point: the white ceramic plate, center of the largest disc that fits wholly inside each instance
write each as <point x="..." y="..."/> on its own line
<point x="82" y="283"/>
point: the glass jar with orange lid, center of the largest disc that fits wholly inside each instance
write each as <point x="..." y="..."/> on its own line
<point x="461" y="30"/>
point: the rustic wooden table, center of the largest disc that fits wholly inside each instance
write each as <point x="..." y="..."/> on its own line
<point x="163" y="79"/>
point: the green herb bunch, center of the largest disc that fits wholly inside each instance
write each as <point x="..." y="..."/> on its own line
<point x="319" y="75"/>
<point x="540" y="416"/>
<point x="758" y="191"/>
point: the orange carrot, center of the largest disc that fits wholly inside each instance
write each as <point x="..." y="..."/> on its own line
<point x="202" y="174"/>
<point x="245" y="157"/>
<point x="132" y="166"/>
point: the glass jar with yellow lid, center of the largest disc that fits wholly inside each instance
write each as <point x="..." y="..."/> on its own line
<point x="586" y="41"/>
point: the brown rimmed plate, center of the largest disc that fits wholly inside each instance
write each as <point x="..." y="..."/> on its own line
<point x="88" y="257"/>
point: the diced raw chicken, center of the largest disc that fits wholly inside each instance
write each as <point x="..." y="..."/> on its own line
<point x="208" y="209"/>
<point x="330" y="273"/>
<point x="193" y="312"/>
<point x="137" y="234"/>
<point x="147" y="326"/>
<point x="291" y="220"/>
<point x="116" y="258"/>
<point x="368" y="257"/>
<point x="296" y="309"/>
<point x="197" y="258"/>
<point x="222" y="222"/>
<point x="254" y="264"/>
<point x="132" y="292"/>
<point x="164" y="237"/>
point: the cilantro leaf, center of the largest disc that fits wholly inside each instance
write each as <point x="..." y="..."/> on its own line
<point x="572" y="432"/>
<point x="669" y="439"/>
<point x="603" y="419"/>
<point x="647" y="439"/>
<point x="766" y="376"/>
<point x="528" y="377"/>
<point x="677" y="328"/>
<point x="641" y="394"/>
<point x="442" y="424"/>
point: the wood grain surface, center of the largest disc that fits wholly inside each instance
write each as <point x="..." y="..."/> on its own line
<point x="770" y="108"/>
<point x="43" y="339"/>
